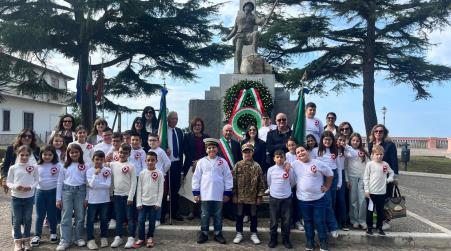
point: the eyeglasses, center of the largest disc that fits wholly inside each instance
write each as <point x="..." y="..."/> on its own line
<point x="331" y="118"/>
<point x="67" y="121"/>
<point x="27" y="136"/>
<point x="138" y="123"/>
<point x="252" y="130"/>
<point x="379" y="131"/>
<point x="282" y="120"/>
<point x="344" y="129"/>
<point x="151" y="140"/>
<point x="149" y="112"/>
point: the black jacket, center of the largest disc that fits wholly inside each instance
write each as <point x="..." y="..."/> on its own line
<point x="277" y="141"/>
<point x="189" y="150"/>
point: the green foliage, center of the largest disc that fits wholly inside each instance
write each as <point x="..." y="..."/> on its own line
<point x="231" y="97"/>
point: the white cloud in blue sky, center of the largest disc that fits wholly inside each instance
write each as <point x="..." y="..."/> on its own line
<point x="405" y="116"/>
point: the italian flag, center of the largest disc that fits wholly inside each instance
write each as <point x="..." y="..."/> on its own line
<point x="299" y="123"/>
<point x="163" y="120"/>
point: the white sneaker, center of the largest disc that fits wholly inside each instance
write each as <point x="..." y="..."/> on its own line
<point x="112" y="224"/>
<point x="245" y="219"/>
<point x="53" y="238"/>
<point x="157" y="223"/>
<point x="334" y="234"/>
<point x="62" y="246"/>
<point x="130" y="242"/>
<point x="35" y="241"/>
<point x="81" y="243"/>
<point x="92" y="245"/>
<point x="299" y="226"/>
<point x="364" y="226"/>
<point x="238" y="238"/>
<point x="116" y="242"/>
<point x="103" y="242"/>
<point x="385" y="226"/>
<point x="255" y="239"/>
<point x="267" y="191"/>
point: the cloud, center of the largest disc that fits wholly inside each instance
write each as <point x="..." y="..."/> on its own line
<point x="441" y="53"/>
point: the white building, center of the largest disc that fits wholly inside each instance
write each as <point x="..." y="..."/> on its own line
<point x="40" y="113"/>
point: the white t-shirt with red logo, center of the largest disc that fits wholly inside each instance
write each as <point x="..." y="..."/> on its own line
<point x="375" y="177"/>
<point x="329" y="159"/>
<point x="310" y="178"/>
<point x="314" y="126"/>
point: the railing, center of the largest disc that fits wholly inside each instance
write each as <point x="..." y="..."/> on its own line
<point x="420" y="142"/>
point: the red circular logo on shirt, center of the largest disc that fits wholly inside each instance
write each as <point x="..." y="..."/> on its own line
<point x="125" y="169"/>
<point x="220" y="162"/>
<point x="313" y="169"/>
<point x="361" y="153"/>
<point x="286" y="175"/>
<point x="316" y="122"/>
<point x="29" y="169"/>
<point x="54" y="170"/>
<point x="154" y="176"/>
<point x="81" y="167"/>
<point x="137" y="155"/>
<point x="384" y="168"/>
<point x="333" y="156"/>
<point x="106" y="173"/>
<point x="115" y="157"/>
<point x="89" y="146"/>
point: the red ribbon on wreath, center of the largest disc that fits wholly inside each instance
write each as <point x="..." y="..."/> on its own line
<point x="29" y="169"/>
<point x="125" y="169"/>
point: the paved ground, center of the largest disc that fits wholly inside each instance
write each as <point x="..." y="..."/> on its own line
<point x="426" y="196"/>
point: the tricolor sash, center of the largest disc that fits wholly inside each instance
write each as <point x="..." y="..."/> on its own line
<point x="227" y="152"/>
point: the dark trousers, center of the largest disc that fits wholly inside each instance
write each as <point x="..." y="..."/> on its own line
<point x="46" y="207"/>
<point x="252" y="209"/>
<point x="123" y="212"/>
<point x="103" y="210"/>
<point x="296" y="211"/>
<point x="314" y="213"/>
<point x="378" y="201"/>
<point x="146" y="212"/>
<point x="22" y="211"/>
<point x="280" y="209"/>
<point x="175" y="175"/>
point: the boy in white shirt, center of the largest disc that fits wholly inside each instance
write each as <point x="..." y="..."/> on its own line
<point x="280" y="182"/>
<point x="87" y="148"/>
<point x="149" y="196"/>
<point x="116" y="142"/>
<point x="98" y="180"/>
<point x="313" y="125"/>
<point x="212" y="185"/>
<point x="375" y="182"/>
<point x="105" y="146"/>
<point x="124" y="183"/>
<point x="137" y="155"/>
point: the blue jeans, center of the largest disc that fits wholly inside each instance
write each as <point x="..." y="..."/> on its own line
<point x="46" y="206"/>
<point x="124" y="211"/>
<point x="211" y="209"/>
<point x="103" y="209"/>
<point x="340" y="206"/>
<point x="146" y="212"/>
<point x="314" y="213"/>
<point x="330" y="196"/>
<point x="73" y="198"/>
<point x="22" y="210"/>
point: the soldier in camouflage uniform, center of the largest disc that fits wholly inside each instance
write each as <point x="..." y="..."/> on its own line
<point x="248" y="189"/>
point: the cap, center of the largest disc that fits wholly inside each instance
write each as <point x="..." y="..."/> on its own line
<point x="211" y="141"/>
<point x="247" y="146"/>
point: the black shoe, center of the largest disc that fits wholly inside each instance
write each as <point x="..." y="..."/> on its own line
<point x="381" y="232"/>
<point x="202" y="238"/>
<point x="190" y="217"/>
<point x="287" y="244"/>
<point x="219" y="238"/>
<point x="178" y="217"/>
<point x="273" y="242"/>
<point x="369" y="231"/>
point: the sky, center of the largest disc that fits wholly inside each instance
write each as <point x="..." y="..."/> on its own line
<point x="405" y="117"/>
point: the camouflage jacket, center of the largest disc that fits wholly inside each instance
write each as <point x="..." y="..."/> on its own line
<point x="248" y="183"/>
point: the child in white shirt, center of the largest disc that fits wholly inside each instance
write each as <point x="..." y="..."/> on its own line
<point x="57" y="141"/>
<point x="22" y="180"/>
<point x="87" y="148"/>
<point x="137" y="155"/>
<point x="113" y="154"/>
<point x="149" y="196"/>
<point x="313" y="125"/>
<point x="98" y="197"/>
<point x="105" y="146"/>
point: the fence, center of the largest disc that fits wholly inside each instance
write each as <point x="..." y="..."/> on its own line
<point x="421" y="142"/>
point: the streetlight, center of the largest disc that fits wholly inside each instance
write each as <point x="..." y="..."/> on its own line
<point x="384" y="111"/>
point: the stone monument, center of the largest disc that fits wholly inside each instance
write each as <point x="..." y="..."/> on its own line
<point x="248" y="65"/>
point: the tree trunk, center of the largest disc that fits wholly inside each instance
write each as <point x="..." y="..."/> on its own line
<point x="369" y="110"/>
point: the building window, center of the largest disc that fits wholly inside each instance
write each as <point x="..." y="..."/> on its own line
<point x="6" y="120"/>
<point x="28" y="120"/>
<point x="55" y="82"/>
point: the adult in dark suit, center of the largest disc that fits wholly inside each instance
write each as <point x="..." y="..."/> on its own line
<point x="259" y="146"/>
<point x="175" y="153"/>
<point x="277" y="139"/>
<point x="194" y="150"/>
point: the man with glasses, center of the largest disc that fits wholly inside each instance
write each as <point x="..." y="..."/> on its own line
<point x="266" y="127"/>
<point x="313" y="125"/>
<point x="277" y="139"/>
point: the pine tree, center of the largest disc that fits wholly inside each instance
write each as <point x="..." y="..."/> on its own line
<point x="140" y="37"/>
<point x="355" y="39"/>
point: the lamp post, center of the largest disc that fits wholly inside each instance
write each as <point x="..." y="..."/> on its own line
<point x="384" y="111"/>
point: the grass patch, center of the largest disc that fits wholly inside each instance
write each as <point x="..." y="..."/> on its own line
<point x="427" y="164"/>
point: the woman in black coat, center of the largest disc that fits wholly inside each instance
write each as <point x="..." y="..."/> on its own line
<point x="138" y="127"/>
<point x="259" y="146"/>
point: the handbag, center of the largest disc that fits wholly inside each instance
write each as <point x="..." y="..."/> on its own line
<point x="395" y="205"/>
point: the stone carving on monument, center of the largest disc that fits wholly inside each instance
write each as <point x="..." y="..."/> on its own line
<point x="249" y="67"/>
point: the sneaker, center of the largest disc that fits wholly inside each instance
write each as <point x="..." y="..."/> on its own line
<point x="92" y="245"/>
<point x="267" y="191"/>
<point x="334" y="234"/>
<point x="355" y="226"/>
<point x="309" y="246"/>
<point x="220" y="239"/>
<point x="381" y="232"/>
<point x="81" y="243"/>
<point x="255" y="239"/>
<point x="53" y="238"/>
<point x="63" y="245"/>
<point x="150" y="243"/>
<point x="138" y="244"/>
<point x="324" y="246"/>
<point x="363" y="226"/>
<point x="369" y="231"/>
<point x="345" y="227"/>
<point x="130" y="242"/>
<point x="246" y="219"/>
<point x="36" y="241"/>
<point x="112" y="224"/>
<point x="103" y="242"/>
<point x="385" y="226"/>
<point x="116" y="242"/>
<point x="238" y="238"/>
<point x="299" y="226"/>
<point x="202" y="238"/>
<point x="157" y="223"/>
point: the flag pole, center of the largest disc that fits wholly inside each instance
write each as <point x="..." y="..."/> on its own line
<point x="169" y="175"/>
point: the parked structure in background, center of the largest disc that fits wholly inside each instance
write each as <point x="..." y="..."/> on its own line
<point x="40" y="113"/>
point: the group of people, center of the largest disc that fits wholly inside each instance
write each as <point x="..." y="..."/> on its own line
<point x="120" y="179"/>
